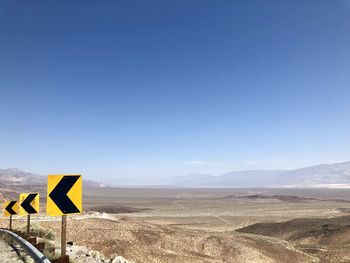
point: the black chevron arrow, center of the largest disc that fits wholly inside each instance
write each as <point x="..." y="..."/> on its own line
<point x="26" y="204"/>
<point x="59" y="194"/>
<point x="9" y="208"/>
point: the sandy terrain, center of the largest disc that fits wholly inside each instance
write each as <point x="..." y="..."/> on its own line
<point x="12" y="253"/>
<point x="184" y="225"/>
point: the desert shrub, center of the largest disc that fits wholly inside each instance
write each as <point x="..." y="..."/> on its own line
<point x="38" y="231"/>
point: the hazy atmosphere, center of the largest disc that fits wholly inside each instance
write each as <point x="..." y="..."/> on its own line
<point x="132" y="91"/>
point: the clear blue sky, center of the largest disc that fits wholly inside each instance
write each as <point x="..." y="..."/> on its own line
<point x="133" y="91"/>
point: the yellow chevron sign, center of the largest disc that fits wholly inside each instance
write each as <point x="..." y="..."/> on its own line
<point x="10" y="208"/>
<point x="28" y="203"/>
<point x="64" y="195"/>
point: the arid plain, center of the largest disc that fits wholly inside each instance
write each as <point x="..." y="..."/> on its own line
<point x="212" y="225"/>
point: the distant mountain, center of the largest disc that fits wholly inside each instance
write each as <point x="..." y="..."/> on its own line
<point x="16" y="177"/>
<point x="319" y="175"/>
<point x="338" y="173"/>
<point x="323" y="175"/>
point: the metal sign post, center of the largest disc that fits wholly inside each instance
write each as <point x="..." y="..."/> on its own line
<point x="10" y="222"/>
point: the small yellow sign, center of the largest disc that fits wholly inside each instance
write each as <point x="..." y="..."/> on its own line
<point x="29" y="203"/>
<point x="64" y="195"/>
<point x="10" y="208"/>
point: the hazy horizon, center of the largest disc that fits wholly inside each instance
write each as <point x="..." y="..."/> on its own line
<point x="257" y="177"/>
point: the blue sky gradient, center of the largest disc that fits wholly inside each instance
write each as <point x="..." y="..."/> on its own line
<point x="134" y="91"/>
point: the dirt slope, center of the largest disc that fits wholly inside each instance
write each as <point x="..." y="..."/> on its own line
<point x="144" y="242"/>
<point x="328" y="239"/>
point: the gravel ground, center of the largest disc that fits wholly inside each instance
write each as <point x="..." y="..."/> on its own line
<point x="9" y="254"/>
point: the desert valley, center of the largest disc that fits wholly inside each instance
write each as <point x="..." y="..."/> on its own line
<point x="172" y="224"/>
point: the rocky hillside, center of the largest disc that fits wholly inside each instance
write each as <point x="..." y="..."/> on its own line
<point x="327" y="239"/>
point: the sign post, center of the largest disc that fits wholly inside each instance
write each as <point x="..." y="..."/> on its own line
<point x="10" y="209"/>
<point x="28" y="225"/>
<point x="29" y="204"/>
<point x="63" y="236"/>
<point x="10" y="222"/>
<point x="64" y="197"/>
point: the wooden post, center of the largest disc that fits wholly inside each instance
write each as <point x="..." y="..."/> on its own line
<point x="63" y="237"/>
<point x="10" y="222"/>
<point x="28" y="225"/>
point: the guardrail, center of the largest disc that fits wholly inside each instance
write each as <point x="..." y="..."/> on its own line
<point x="32" y="251"/>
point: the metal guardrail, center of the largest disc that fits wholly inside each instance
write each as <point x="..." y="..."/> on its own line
<point x="32" y="251"/>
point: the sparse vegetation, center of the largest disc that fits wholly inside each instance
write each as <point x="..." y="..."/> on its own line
<point x="200" y="225"/>
<point x="38" y="231"/>
<point x="48" y="252"/>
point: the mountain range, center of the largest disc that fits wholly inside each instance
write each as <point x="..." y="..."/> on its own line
<point x="313" y="176"/>
<point x="16" y="177"/>
<point x="323" y="175"/>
